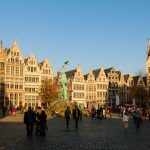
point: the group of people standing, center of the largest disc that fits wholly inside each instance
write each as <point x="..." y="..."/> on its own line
<point x="76" y="113"/>
<point x="35" y="117"/>
<point x="8" y="110"/>
<point x="136" y="113"/>
<point x="101" y="112"/>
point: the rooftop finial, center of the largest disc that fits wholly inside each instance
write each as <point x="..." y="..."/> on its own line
<point x="148" y="41"/>
<point x="148" y="48"/>
<point x="1" y="45"/>
<point x="15" y="43"/>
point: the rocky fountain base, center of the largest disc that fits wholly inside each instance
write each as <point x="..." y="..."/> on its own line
<point x="57" y="109"/>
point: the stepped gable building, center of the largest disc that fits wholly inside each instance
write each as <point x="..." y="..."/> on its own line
<point x="78" y="85"/>
<point x="129" y="80"/>
<point x="122" y="88"/>
<point x="129" y="83"/>
<point x="101" y="86"/>
<point x="32" y="81"/>
<point x="22" y="77"/>
<point x="138" y="81"/>
<point x="113" y="88"/>
<point x="46" y="70"/>
<point x="148" y="71"/>
<point x="91" y="97"/>
<point x="148" y="63"/>
<point x="14" y="76"/>
<point x="2" y="73"/>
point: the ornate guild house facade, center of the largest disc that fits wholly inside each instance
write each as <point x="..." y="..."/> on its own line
<point x="21" y="78"/>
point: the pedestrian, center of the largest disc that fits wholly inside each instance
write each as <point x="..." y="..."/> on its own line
<point x="110" y="112"/>
<point x="93" y="113"/>
<point x="104" y="112"/>
<point x="138" y="115"/>
<point x="67" y="115"/>
<point x="37" y="123"/>
<point x="98" y="113"/>
<point x="4" y="111"/>
<point x="101" y="113"/>
<point x="43" y="123"/>
<point x="29" y="120"/>
<point x="149" y="114"/>
<point x="125" y="118"/>
<point x="76" y="115"/>
<point x="133" y="114"/>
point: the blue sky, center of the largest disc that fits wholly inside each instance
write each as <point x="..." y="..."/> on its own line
<point x="92" y="33"/>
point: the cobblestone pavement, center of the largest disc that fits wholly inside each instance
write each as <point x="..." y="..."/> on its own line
<point x="91" y="135"/>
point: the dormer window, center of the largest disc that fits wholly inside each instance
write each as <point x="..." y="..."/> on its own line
<point x="32" y="69"/>
<point x="44" y="71"/>
<point x="35" y="69"/>
<point x="31" y="62"/>
<point x="28" y="69"/>
<point x="17" y="60"/>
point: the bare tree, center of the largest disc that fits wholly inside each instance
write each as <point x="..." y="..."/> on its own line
<point x="141" y="73"/>
<point x="139" y="90"/>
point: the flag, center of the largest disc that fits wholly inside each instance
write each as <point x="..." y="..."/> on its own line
<point x="66" y="62"/>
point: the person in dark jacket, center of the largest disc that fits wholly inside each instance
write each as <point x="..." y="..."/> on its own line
<point x="76" y="115"/>
<point x="4" y="110"/>
<point x="38" y="112"/>
<point x="29" y="120"/>
<point x="67" y="115"/>
<point x="43" y="124"/>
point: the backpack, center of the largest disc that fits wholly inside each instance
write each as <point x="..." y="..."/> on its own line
<point x="67" y="113"/>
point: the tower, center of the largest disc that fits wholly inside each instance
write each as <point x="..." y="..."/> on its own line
<point x="1" y="46"/>
<point x="148" y="63"/>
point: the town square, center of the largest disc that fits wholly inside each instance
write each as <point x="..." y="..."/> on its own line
<point x="74" y="75"/>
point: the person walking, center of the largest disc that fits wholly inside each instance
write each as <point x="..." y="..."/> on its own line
<point x="4" y="111"/>
<point x="138" y="115"/>
<point x="37" y="123"/>
<point x="125" y="118"/>
<point x="149" y="114"/>
<point x="29" y="120"/>
<point x="76" y="115"/>
<point x="67" y="115"/>
<point x="43" y="123"/>
<point x="93" y="113"/>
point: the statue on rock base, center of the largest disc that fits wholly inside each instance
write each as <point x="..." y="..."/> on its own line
<point x="64" y="84"/>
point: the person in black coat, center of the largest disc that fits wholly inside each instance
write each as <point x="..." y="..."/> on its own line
<point x="29" y="120"/>
<point x="43" y="125"/>
<point x="76" y="115"/>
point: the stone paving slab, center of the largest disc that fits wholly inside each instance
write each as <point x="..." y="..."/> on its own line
<point x="91" y="135"/>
